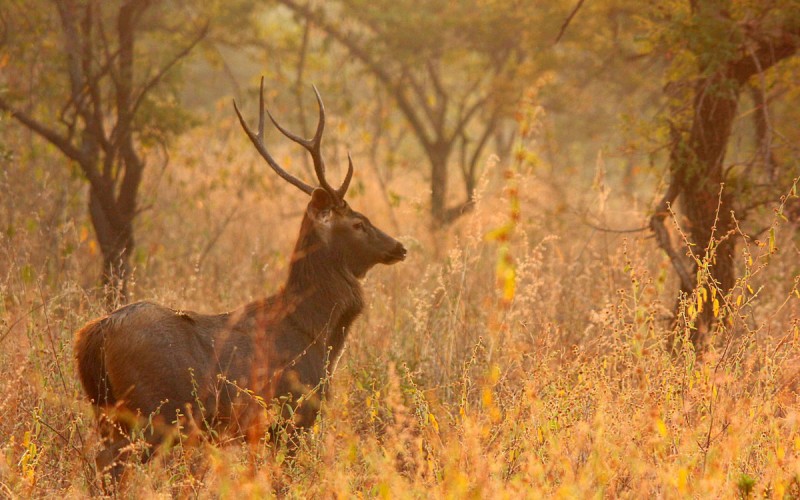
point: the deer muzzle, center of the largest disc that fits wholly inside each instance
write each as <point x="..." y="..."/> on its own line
<point x="396" y="254"/>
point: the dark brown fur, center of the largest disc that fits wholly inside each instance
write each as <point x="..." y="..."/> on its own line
<point x="147" y="364"/>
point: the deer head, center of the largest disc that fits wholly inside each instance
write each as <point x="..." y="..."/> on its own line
<point x="348" y="236"/>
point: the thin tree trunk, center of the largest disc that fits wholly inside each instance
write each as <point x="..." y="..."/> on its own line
<point x="438" y="157"/>
<point x="763" y="132"/>
<point x="115" y="238"/>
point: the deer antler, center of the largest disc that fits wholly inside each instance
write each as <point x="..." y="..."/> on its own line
<point x="312" y="145"/>
<point x="258" y="142"/>
<point x="346" y="182"/>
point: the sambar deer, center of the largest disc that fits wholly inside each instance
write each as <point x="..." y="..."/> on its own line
<point x="148" y="363"/>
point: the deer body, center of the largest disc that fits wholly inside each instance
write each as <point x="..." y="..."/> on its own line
<point x="291" y="340"/>
<point x="148" y="363"/>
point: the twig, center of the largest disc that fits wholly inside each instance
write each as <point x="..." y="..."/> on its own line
<point x="663" y="240"/>
<point x="58" y="433"/>
<point x="568" y="20"/>
<point x="201" y="34"/>
<point x="70" y="445"/>
<point x="17" y="321"/>
<point x="611" y="230"/>
<point x="664" y="208"/>
<point x="60" y="372"/>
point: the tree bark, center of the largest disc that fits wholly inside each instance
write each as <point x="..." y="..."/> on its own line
<point x="116" y="245"/>
<point x="438" y="155"/>
<point x="104" y="97"/>
<point x="696" y="164"/>
<point x="707" y="205"/>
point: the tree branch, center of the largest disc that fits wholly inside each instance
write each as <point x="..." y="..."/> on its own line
<point x="453" y="213"/>
<point x="568" y="20"/>
<point x="147" y="87"/>
<point x="89" y="169"/>
<point x="662" y="209"/>
<point x="467" y="116"/>
<point x="94" y="122"/>
<point x="422" y="100"/>
<point x="51" y="136"/>
<point x="441" y="96"/>
<point x="374" y="66"/>
<point x="662" y="235"/>
<point x="469" y="173"/>
<point x="768" y="53"/>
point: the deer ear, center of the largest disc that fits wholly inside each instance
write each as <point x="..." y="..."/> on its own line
<point x="321" y="201"/>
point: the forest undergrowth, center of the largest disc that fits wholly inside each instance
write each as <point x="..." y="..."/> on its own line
<point x="519" y="353"/>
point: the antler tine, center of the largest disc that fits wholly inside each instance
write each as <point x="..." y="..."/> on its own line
<point x="261" y="111"/>
<point x="319" y="163"/>
<point x="313" y="145"/>
<point x="321" y="122"/>
<point x="346" y="183"/>
<point x="296" y="138"/>
<point x="258" y="142"/>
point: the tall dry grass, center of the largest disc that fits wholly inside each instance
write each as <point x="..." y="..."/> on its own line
<point x="453" y="384"/>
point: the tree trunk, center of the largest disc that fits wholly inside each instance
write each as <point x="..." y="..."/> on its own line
<point x="438" y="155"/>
<point x="696" y="162"/>
<point x="97" y="126"/>
<point x="706" y="205"/>
<point x="115" y="237"/>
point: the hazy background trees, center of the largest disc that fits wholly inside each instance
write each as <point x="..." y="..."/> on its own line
<point x="653" y="103"/>
<point x="722" y="52"/>
<point x="599" y="199"/>
<point x="94" y="80"/>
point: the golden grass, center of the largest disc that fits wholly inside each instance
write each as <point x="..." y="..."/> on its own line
<point x="564" y="388"/>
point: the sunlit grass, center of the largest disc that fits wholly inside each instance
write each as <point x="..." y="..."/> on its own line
<point x="453" y="384"/>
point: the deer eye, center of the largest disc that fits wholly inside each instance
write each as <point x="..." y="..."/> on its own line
<point x="359" y="226"/>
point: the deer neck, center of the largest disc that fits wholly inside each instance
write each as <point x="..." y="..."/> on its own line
<point x="326" y="296"/>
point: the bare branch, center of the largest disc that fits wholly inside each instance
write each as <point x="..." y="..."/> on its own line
<point x="147" y="87"/>
<point x="422" y="99"/>
<point x="453" y="213"/>
<point x="662" y="235"/>
<point x="67" y="14"/>
<point x="768" y="53"/>
<point x="51" y="136"/>
<point x="95" y="122"/>
<point x="617" y="231"/>
<point x="568" y="20"/>
<point x="465" y="113"/>
<point x="391" y="83"/>
<point x="469" y="169"/>
<point x="441" y="96"/>
<point x="467" y="116"/>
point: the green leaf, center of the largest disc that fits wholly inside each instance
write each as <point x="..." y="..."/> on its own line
<point x="771" y="240"/>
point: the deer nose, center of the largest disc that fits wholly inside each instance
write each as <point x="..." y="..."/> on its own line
<point x="400" y="251"/>
<point x="396" y="254"/>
